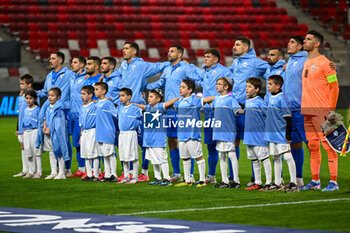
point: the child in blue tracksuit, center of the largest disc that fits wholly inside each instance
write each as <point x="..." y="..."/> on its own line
<point x="154" y="135"/>
<point x="30" y="128"/>
<point x="189" y="131"/>
<point x="226" y="108"/>
<point x="87" y="123"/>
<point x="106" y="132"/>
<point x="55" y="128"/>
<point x="129" y="117"/>
<point x="25" y="83"/>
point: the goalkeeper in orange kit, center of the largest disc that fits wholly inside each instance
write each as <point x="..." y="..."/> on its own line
<point x="320" y="90"/>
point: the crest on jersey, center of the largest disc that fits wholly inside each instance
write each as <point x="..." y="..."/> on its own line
<point x="295" y="63"/>
<point x="313" y="67"/>
<point x="79" y="81"/>
<point x="214" y="72"/>
<point x="178" y="69"/>
<point x="110" y="82"/>
<point x="133" y="67"/>
<point x="279" y="72"/>
<point x="245" y="64"/>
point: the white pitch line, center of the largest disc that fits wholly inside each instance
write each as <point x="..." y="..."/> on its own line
<point x="235" y="207"/>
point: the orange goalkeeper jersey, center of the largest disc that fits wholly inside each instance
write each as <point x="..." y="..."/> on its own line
<point x="316" y="94"/>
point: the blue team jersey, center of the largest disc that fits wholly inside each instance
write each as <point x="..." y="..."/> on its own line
<point x="275" y="127"/>
<point x="87" y="116"/>
<point x="22" y="105"/>
<point x="30" y="119"/>
<point x="76" y="85"/>
<point x="292" y="87"/>
<point x="134" y="76"/>
<point x="128" y="117"/>
<point x="105" y="121"/>
<point x="244" y="67"/>
<point x="226" y="107"/>
<point x="255" y="117"/>
<point x="172" y="77"/>
<point x="189" y="113"/>
<point x="113" y="81"/>
<point x="154" y="133"/>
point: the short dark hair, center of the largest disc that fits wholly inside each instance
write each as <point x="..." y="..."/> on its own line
<point x="126" y="90"/>
<point x="316" y="34"/>
<point x="31" y="93"/>
<point x="226" y="83"/>
<point x="277" y="79"/>
<point x="88" y="89"/>
<point x="81" y="59"/>
<point x="111" y="60"/>
<point x="103" y="85"/>
<point x="56" y="90"/>
<point x="27" y="78"/>
<point x="59" y="54"/>
<point x="256" y="82"/>
<point x="133" y="45"/>
<point x="215" y="52"/>
<point x="245" y="40"/>
<point x="96" y="59"/>
<point x="298" y="39"/>
<point x="179" y="48"/>
<point x="280" y="50"/>
<point x="158" y="93"/>
<point x="190" y="84"/>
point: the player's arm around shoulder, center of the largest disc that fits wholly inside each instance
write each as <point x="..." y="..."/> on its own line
<point x="170" y="103"/>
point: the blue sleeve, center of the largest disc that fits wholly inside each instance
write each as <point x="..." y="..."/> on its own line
<point x="261" y="66"/>
<point x="152" y="69"/>
<point x="191" y="73"/>
<point x="158" y="84"/>
<point x="198" y="102"/>
<point x="61" y="133"/>
<point x="80" y="120"/>
<point x="285" y="107"/>
<point x="161" y="108"/>
<point x="176" y="104"/>
<point x="43" y="92"/>
<point x="235" y="106"/>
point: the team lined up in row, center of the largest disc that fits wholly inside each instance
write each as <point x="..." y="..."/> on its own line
<point x="134" y="72"/>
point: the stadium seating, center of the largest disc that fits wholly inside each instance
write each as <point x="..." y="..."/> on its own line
<point x="99" y="27"/>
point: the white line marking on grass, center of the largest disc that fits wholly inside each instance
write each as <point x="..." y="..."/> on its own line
<point x="235" y="207"/>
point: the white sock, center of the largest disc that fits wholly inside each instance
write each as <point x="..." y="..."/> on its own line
<point x="291" y="166"/>
<point x="38" y="162"/>
<point x="25" y="166"/>
<point x="31" y="165"/>
<point x="126" y="168"/>
<point x="165" y="170"/>
<point x="96" y="162"/>
<point x="300" y="180"/>
<point x="88" y="165"/>
<point x="187" y="170"/>
<point x="53" y="163"/>
<point x="278" y="168"/>
<point x="234" y="161"/>
<point x="257" y="171"/>
<point x="201" y="169"/>
<point x="267" y="167"/>
<point x="223" y="167"/>
<point x="113" y="162"/>
<point x="107" y="166"/>
<point x="81" y="169"/>
<point x="135" y="171"/>
<point x="145" y="172"/>
<point x="156" y="168"/>
<point x="61" y="166"/>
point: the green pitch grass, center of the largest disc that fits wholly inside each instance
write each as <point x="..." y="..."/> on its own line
<point x="111" y="198"/>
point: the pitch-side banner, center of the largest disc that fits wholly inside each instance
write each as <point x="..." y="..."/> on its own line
<point x="43" y="221"/>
